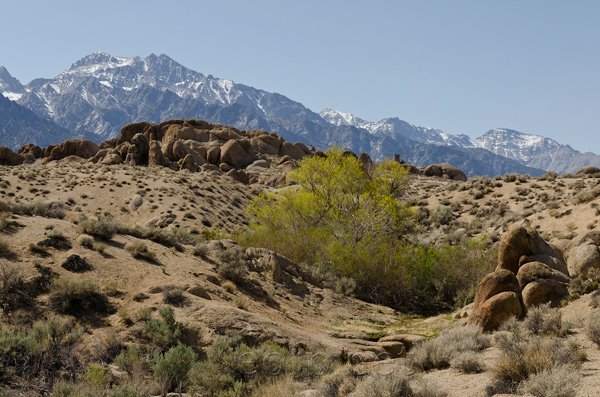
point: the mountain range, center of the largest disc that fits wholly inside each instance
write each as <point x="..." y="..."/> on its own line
<point x="100" y="93"/>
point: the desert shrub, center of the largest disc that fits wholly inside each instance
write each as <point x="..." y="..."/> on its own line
<point x="394" y="384"/>
<point x="442" y="215"/>
<point x="232" y="366"/>
<point x="165" y="332"/>
<point x="85" y="240"/>
<point x="544" y="320"/>
<point x="171" y="368"/>
<point x="549" y="176"/>
<point x="525" y="355"/>
<point x="561" y="381"/>
<point x="468" y="362"/>
<point x="40" y="353"/>
<point x="77" y="296"/>
<point x="281" y="387"/>
<point x="346" y="286"/>
<point x="4" y="220"/>
<point x="105" y="228"/>
<point x="341" y="382"/>
<point x="134" y="360"/>
<point x="510" y="177"/>
<point x="233" y="265"/>
<point x="439" y="352"/>
<point x="173" y="296"/>
<point x="354" y="225"/>
<point x="586" y="196"/>
<point x="4" y="246"/>
<point x="13" y="291"/>
<point x="138" y="249"/>
<point x="592" y="328"/>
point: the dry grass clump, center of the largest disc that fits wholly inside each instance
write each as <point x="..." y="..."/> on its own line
<point x="4" y="246"/>
<point x="233" y="265"/>
<point x="174" y="296"/>
<point x="138" y="249"/>
<point x="50" y="209"/>
<point x="439" y="352"/>
<point x="586" y="196"/>
<point x="77" y="296"/>
<point x="103" y="228"/>
<point x="535" y="346"/>
<point x="561" y="381"/>
<point x="592" y="328"/>
<point x="468" y="362"/>
<point x="12" y="287"/>
<point x="544" y="320"/>
<point x="394" y="384"/>
<point x="280" y="387"/>
<point x="341" y="382"/>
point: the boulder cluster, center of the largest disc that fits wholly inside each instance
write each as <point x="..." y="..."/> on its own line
<point x="196" y="145"/>
<point x="179" y="144"/>
<point x="531" y="272"/>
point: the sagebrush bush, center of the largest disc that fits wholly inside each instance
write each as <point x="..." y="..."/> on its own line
<point x="524" y="355"/>
<point x="438" y="353"/>
<point x="166" y="332"/>
<point x="174" y="296"/>
<point x="104" y="228"/>
<point x="545" y="320"/>
<point x="41" y="353"/>
<point x="468" y="362"/>
<point x="13" y="291"/>
<point x="77" y="296"/>
<point x="592" y="328"/>
<point x="233" y="265"/>
<point x="138" y="249"/>
<point x="561" y="381"/>
<point x="394" y="384"/>
<point x="171" y="368"/>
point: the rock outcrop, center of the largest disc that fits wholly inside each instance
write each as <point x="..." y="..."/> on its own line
<point x="445" y="171"/>
<point x="8" y="157"/>
<point x="523" y="241"/>
<point x="498" y="297"/>
<point x="530" y="272"/>
<point x="583" y="254"/>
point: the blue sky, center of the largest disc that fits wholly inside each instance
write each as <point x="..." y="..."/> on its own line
<point x="461" y="66"/>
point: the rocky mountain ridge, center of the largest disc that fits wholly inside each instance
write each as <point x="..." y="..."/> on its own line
<point x="100" y="93"/>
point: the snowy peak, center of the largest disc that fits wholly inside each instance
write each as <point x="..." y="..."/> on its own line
<point x="10" y="87"/>
<point x="394" y="127"/>
<point x="517" y="145"/>
<point x="339" y="118"/>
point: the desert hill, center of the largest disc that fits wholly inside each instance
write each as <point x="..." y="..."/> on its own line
<point x="106" y="235"/>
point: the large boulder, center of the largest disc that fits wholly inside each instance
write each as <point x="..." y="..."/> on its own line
<point x="445" y="170"/>
<point x="156" y="156"/>
<point x="497" y="298"/>
<point x="8" y="157"/>
<point x="71" y="147"/>
<point x="583" y="254"/>
<point x="289" y="149"/>
<point x="367" y="164"/>
<point x="234" y="153"/>
<point x="137" y="153"/>
<point x="541" y="284"/>
<point x="550" y="261"/>
<point x="519" y="241"/>
<point x="497" y="309"/>
<point x="131" y="130"/>
<point x="542" y="291"/>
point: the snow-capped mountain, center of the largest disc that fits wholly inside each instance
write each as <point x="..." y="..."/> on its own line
<point x="101" y="93"/>
<point x="10" y="87"/>
<point x="535" y="150"/>
<point x="531" y="150"/>
<point x="395" y="127"/>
